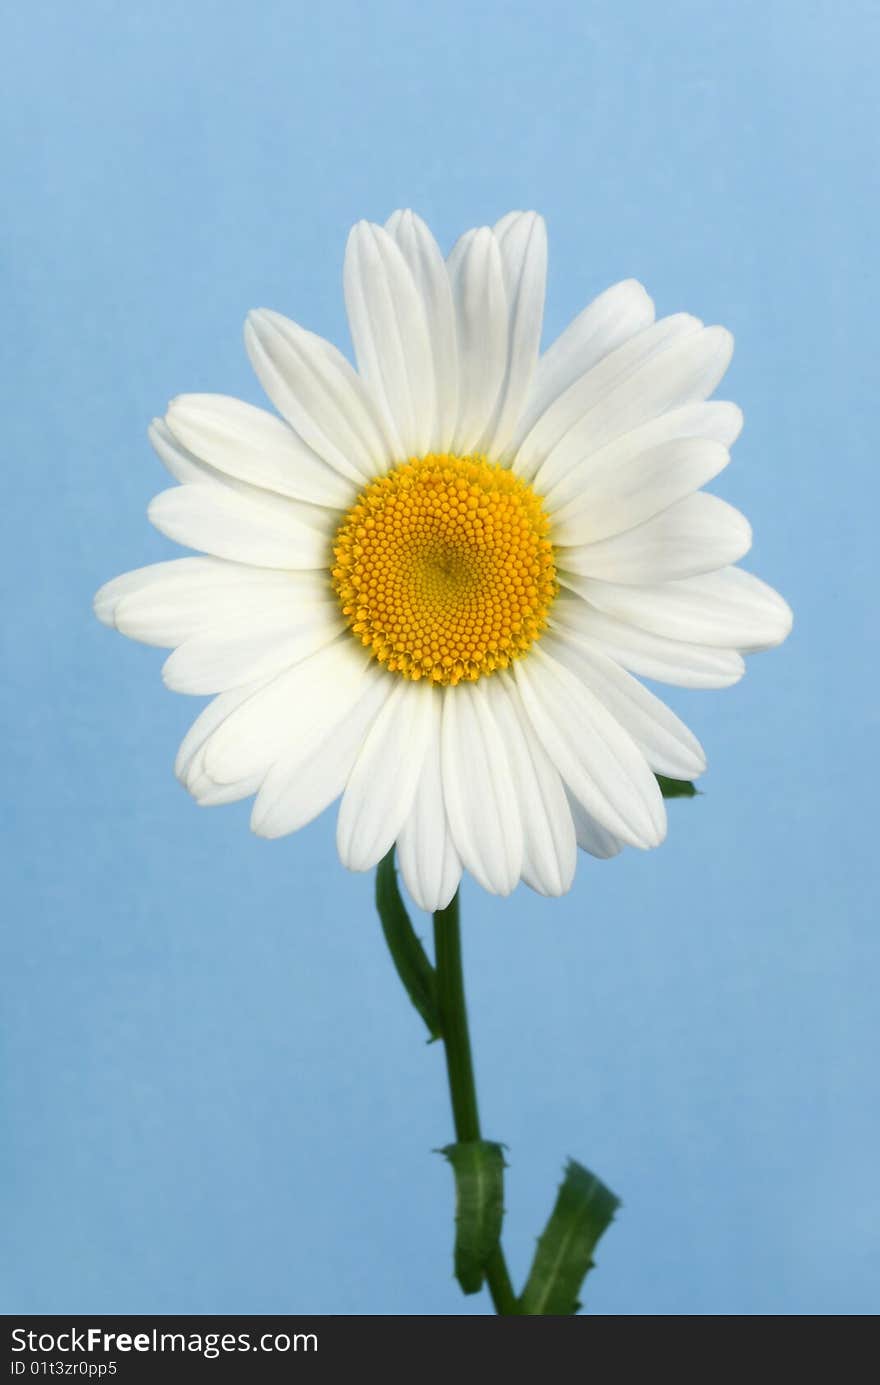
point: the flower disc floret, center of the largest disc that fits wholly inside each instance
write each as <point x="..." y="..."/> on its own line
<point x="444" y="569"/>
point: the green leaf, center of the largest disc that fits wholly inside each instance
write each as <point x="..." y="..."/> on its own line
<point x="676" y="788"/>
<point x="584" y="1209"/>
<point x="407" y="953"/>
<point x="478" y="1166"/>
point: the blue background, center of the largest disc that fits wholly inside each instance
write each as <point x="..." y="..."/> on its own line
<point x="215" y="1097"/>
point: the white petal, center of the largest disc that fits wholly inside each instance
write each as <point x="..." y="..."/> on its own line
<point x="698" y="534"/>
<point x="730" y="609"/>
<point x="263" y="529"/>
<point x="190" y="763"/>
<point x="612" y="373"/>
<point x="606" y="323"/>
<point x="390" y="334"/>
<point x="167" y="603"/>
<point x="477" y="790"/>
<point x="381" y="787"/>
<point x="522" y="240"/>
<point x="477" y="275"/>
<point x="191" y="470"/>
<point x="315" y="388"/>
<point x="179" y="574"/>
<point x="666" y="743"/>
<point x="428" y="268"/>
<point x="210" y="795"/>
<point x="591" y="837"/>
<point x="252" y="445"/>
<point x="297" y="709"/>
<point x="207" y="722"/>
<point x="504" y="223"/>
<point x="685" y="371"/>
<point x="639" y="474"/>
<point x="549" y="845"/>
<point x="598" y="760"/>
<point x="314" y="772"/>
<point x="429" y="863"/>
<point x="250" y="648"/>
<point x="177" y="459"/>
<point x="639" y="651"/>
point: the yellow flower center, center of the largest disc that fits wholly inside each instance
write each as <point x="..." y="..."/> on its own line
<point x="443" y="568"/>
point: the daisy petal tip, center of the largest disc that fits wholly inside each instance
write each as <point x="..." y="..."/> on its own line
<point x="656" y="836"/>
<point x="357" y="861"/>
<point x="360" y="235"/>
<point x="104" y="604"/>
<point x="179" y="409"/>
<point x="737" y="676"/>
<point x="349" y="849"/>
<point x="654" y="825"/>
<point x="178" y="680"/>
<point x="785" y="622"/>
<point x="634" y="293"/>
<point x="534" y="220"/>
<point x="502" y="889"/>
<point x="556" y="885"/>
<point x="194" y="402"/>
<point x="442" y="899"/>
<point x="724" y="342"/>
<point x="774" y="618"/>
<point x="158" y="508"/>
<point x="430" y="902"/>
<point x="258" y="319"/>
<point x="737" y="421"/>
<point x="544" y="888"/>
<point x="261" y="826"/>
<point x="742" y="534"/>
<point x="259" y="330"/>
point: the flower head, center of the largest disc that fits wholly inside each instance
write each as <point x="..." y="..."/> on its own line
<point x="429" y="582"/>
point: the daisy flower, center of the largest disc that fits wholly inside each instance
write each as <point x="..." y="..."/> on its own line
<point x="427" y="584"/>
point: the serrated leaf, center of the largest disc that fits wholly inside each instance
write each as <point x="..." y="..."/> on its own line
<point x="584" y="1209"/>
<point x="676" y="788"/>
<point x="478" y="1166"/>
<point x="407" y="953"/>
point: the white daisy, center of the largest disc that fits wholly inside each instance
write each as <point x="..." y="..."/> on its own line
<point x="429" y="583"/>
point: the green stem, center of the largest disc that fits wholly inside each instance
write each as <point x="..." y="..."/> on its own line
<point x="460" y="1070"/>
